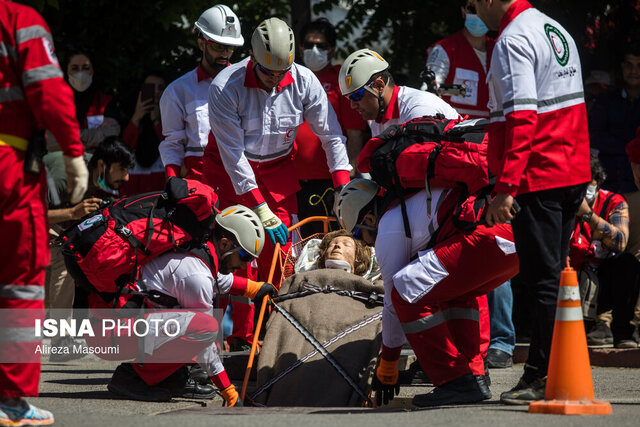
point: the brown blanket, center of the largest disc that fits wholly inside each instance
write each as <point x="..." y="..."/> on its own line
<point x="327" y="317"/>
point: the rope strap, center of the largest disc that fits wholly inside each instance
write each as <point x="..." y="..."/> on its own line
<point x="311" y="354"/>
<point x="323" y="351"/>
<point x="369" y="298"/>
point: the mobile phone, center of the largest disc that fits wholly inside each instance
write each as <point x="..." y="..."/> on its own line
<point x="148" y="91"/>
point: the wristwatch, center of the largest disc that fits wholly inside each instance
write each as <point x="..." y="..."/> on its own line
<point x="587" y="217"/>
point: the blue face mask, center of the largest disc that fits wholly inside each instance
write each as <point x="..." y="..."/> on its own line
<point x="475" y="25"/>
<point x="102" y="184"/>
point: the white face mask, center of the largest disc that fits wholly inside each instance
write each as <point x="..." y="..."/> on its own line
<point x="315" y="59"/>
<point x="592" y="190"/>
<point x="337" y="264"/>
<point x="80" y="81"/>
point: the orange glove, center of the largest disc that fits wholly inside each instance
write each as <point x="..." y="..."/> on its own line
<point x="256" y="291"/>
<point x="231" y="396"/>
<point x="385" y="382"/>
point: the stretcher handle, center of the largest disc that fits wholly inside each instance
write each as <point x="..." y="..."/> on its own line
<point x="256" y="334"/>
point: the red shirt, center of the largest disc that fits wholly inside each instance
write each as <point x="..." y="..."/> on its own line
<point x="311" y="160"/>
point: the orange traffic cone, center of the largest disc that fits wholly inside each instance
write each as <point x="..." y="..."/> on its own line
<point x="569" y="389"/>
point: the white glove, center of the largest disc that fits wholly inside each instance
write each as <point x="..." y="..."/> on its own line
<point x="77" y="177"/>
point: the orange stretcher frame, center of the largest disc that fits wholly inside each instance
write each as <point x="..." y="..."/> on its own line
<point x="274" y="264"/>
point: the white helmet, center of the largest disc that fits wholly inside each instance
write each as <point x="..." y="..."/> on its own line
<point x="273" y="44"/>
<point x="220" y="25"/>
<point x="357" y="69"/>
<point x="353" y="197"/>
<point x="245" y="225"/>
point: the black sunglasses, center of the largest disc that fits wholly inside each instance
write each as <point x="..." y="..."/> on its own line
<point x="244" y="255"/>
<point x="321" y="46"/>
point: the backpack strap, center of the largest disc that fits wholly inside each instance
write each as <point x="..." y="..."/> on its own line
<point x="605" y="204"/>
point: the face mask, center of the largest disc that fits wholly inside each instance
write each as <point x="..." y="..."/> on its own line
<point x="592" y="190"/>
<point x="102" y="184"/>
<point x="315" y="59"/>
<point x="475" y="25"/>
<point x="337" y="264"/>
<point x="80" y="81"/>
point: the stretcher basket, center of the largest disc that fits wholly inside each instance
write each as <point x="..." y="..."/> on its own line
<point x="284" y="260"/>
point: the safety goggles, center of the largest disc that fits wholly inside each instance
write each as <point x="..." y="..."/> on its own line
<point x="357" y="95"/>
<point x="219" y="47"/>
<point x="244" y="256"/>
<point x="311" y="45"/>
<point x="272" y="73"/>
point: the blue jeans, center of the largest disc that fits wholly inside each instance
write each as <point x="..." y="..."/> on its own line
<point x="503" y="334"/>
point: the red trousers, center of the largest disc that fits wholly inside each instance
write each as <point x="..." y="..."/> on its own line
<point x="445" y="326"/>
<point x="200" y="334"/>
<point x="243" y="312"/>
<point x="24" y="255"/>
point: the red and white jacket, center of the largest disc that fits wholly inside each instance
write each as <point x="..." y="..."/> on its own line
<point x="538" y="136"/>
<point x="185" y="123"/>
<point x="33" y="93"/>
<point x="455" y="61"/>
<point x="255" y="130"/>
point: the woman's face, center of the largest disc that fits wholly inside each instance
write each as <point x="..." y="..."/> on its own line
<point x="342" y="248"/>
<point x="79" y="63"/>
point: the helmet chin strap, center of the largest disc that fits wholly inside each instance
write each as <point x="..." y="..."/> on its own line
<point x="381" y="107"/>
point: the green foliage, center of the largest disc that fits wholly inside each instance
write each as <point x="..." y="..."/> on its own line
<point x="403" y="28"/>
<point x="130" y="38"/>
<point x="127" y="39"/>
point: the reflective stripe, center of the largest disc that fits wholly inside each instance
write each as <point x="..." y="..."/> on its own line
<point x="11" y="93"/>
<point x="8" y="50"/>
<point x="560" y="99"/>
<point x="462" y="111"/>
<point x="523" y="101"/>
<point x="194" y="149"/>
<point x="440" y="317"/>
<point x="35" y="75"/>
<point x="19" y="335"/>
<point x="538" y="104"/>
<point x="27" y="292"/>
<point x="32" y="32"/>
<point x="568" y="313"/>
<point x="240" y="299"/>
<point x="268" y="156"/>
<point x="568" y="293"/>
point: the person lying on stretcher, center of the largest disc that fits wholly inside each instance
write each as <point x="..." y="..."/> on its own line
<point x="339" y="250"/>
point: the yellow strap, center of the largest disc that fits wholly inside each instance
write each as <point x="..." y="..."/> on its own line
<point x="13" y="141"/>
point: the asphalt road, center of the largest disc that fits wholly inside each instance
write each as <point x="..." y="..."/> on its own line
<point x="76" y="393"/>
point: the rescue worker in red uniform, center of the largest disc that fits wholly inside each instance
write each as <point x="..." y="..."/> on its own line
<point x="255" y="108"/>
<point x="432" y="300"/>
<point x="464" y="58"/>
<point x="192" y="280"/>
<point x="34" y="96"/>
<point x="183" y="106"/>
<point x="539" y="151"/>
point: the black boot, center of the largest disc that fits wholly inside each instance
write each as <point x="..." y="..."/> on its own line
<point x="180" y="384"/>
<point x="126" y="383"/>
<point x="498" y="359"/>
<point x="199" y="375"/>
<point x="468" y="388"/>
<point x="525" y="392"/>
